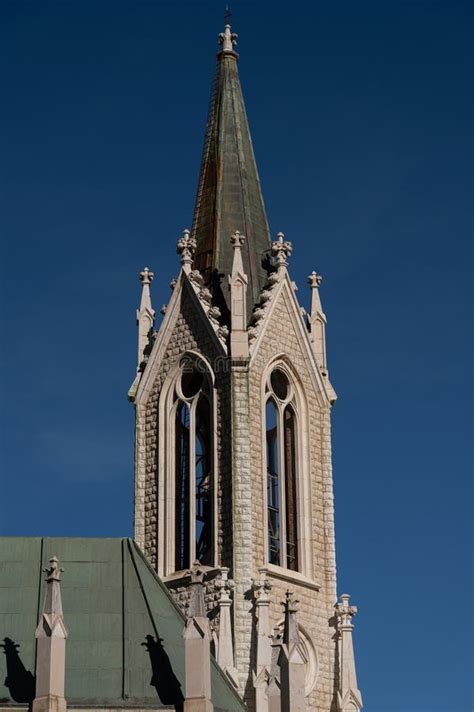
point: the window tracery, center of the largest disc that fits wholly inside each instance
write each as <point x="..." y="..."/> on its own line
<point x="193" y="466"/>
<point x="281" y="471"/>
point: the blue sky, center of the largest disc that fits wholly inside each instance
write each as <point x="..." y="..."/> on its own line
<point x="361" y="119"/>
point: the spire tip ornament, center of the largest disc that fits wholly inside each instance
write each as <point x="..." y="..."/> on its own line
<point x="51" y="634"/>
<point x="53" y="571"/>
<point x="145" y="317"/>
<point x="344" y="611"/>
<point x="186" y="247"/>
<point x="349" y="698"/>
<point x="281" y="250"/>
<point x="228" y="39"/>
<point x="146" y="276"/>
<point x="237" y="239"/>
<point x="314" y="280"/>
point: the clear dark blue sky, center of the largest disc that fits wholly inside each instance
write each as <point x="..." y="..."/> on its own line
<point x="361" y="115"/>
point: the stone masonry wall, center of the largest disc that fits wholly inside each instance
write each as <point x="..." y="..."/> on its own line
<point x="241" y="515"/>
<point x="243" y="523"/>
<point x="190" y="333"/>
<point x="316" y="607"/>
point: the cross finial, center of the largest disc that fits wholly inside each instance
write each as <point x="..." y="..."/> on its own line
<point x="228" y="39"/>
<point x="237" y="239"/>
<point x="146" y="277"/>
<point x="53" y="571"/>
<point x="344" y="611"/>
<point x="281" y="249"/>
<point x="314" y="279"/>
<point x="186" y="247"/>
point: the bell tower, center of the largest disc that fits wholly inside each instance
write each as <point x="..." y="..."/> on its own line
<point x="233" y="436"/>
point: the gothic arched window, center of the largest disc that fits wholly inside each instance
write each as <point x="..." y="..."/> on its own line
<point x="193" y="467"/>
<point x="281" y="472"/>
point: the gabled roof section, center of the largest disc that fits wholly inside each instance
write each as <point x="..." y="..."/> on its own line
<point x="229" y="196"/>
<point x="186" y="287"/>
<point x="125" y="646"/>
<point x="283" y="288"/>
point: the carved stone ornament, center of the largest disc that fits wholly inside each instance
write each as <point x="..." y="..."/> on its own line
<point x="281" y="250"/>
<point x="228" y="39"/>
<point x="186" y="248"/>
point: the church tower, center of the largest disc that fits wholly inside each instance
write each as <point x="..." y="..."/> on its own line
<point x="233" y="446"/>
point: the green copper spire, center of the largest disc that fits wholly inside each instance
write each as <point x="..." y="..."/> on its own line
<point x="229" y="196"/>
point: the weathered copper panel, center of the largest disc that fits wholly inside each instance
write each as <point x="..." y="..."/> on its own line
<point x="229" y="196"/>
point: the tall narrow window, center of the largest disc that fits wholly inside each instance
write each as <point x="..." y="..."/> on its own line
<point x="289" y="441"/>
<point x="273" y="481"/>
<point x="282" y="476"/>
<point x="203" y="475"/>
<point x="182" y="487"/>
<point x="193" y="477"/>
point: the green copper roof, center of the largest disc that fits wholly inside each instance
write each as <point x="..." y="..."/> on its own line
<point x="229" y="196"/>
<point x="125" y="645"/>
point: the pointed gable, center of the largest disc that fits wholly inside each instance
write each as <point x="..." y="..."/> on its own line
<point x="281" y="330"/>
<point x="186" y="326"/>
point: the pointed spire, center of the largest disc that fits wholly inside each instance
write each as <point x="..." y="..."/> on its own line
<point x="225" y="653"/>
<point x="273" y="689"/>
<point x="229" y="196"/>
<point x="291" y="633"/>
<point x="349" y="697"/>
<point x="262" y="588"/>
<point x="228" y="39"/>
<point x="317" y="323"/>
<point x="239" y="339"/>
<point x="197" y="650"/>
<point x="51" y="635"/>
<point x="145" y="315"/>
<point x="292" y="662"/>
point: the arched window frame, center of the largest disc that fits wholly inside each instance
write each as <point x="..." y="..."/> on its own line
<point x="297" y="401"/>
<point x="170" y="398"/>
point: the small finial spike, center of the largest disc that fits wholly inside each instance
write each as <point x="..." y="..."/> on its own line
<point x="145" y="316"/>
<point x="237" y="239"/>
<point x="293" y="660"/>
<point x="261" y="589"/>
<point x="53" y="571"/>
<point x="314" y="280"/>
<point x="282" y="250"/>
<point x="239" y="340"/>
<point x="349" y="696"/>
<point x="146" y="277"/>
<point x="186" y="247"/>
<point x="197" y="638"/>
<point x="225" y="654"/>
<point x="228" y="39"/>
<point x="317" y="323"/>
<point x="51" y="635"/>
